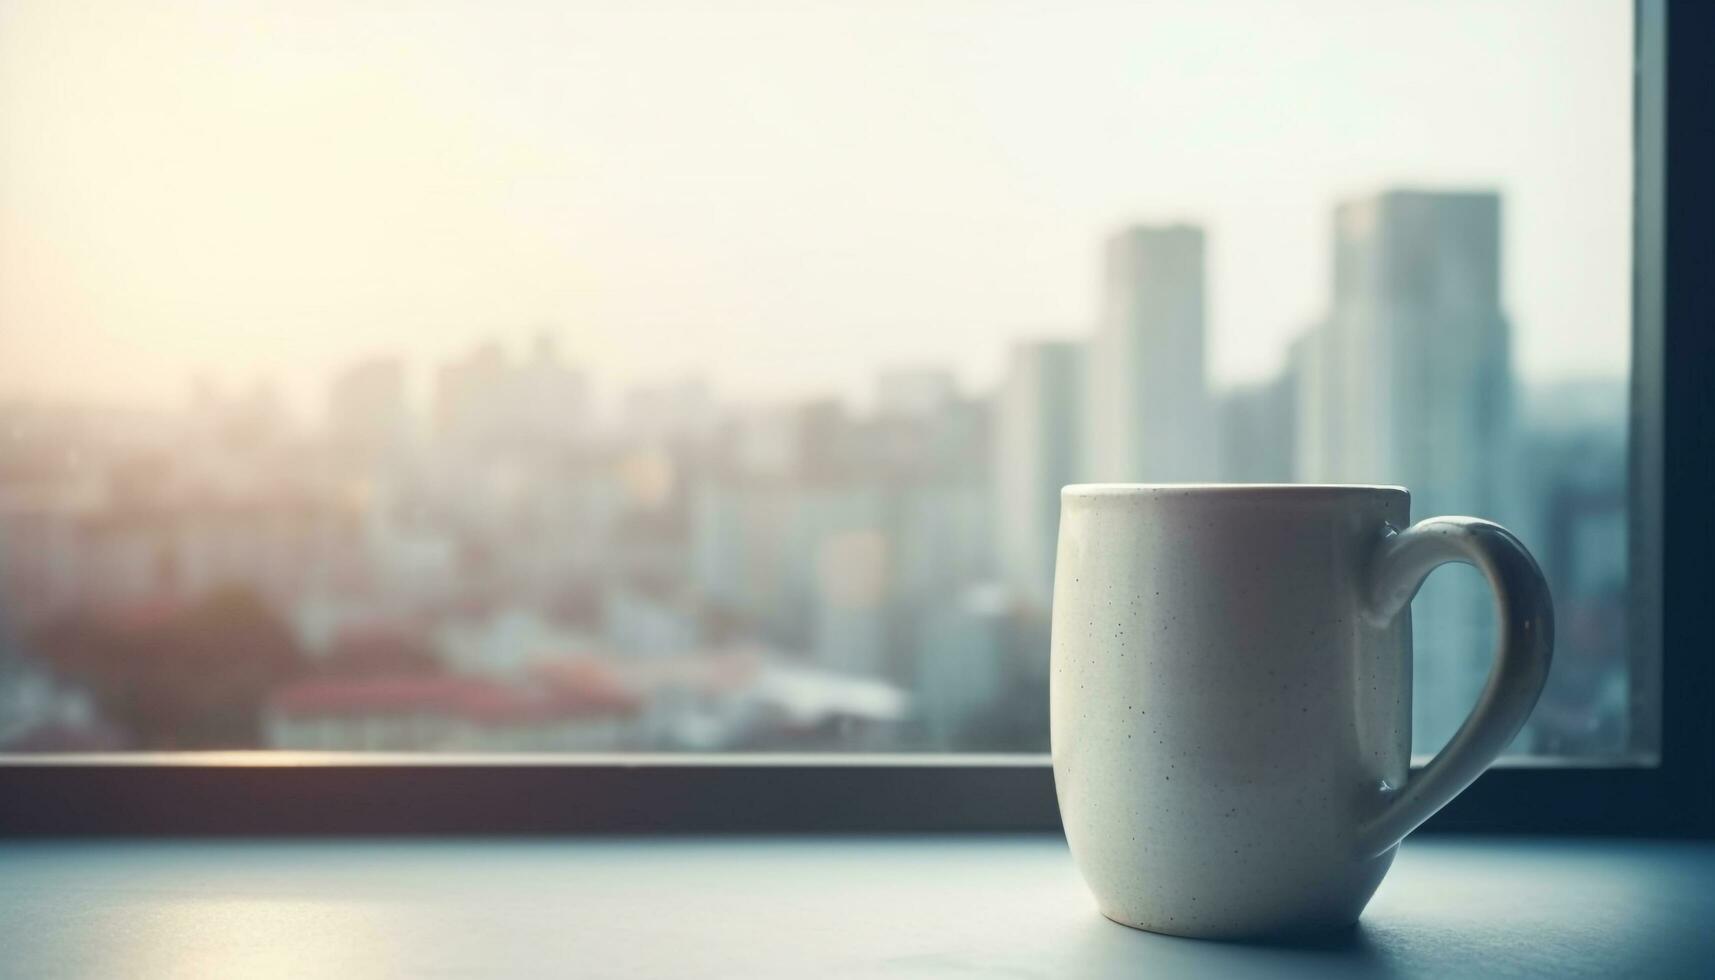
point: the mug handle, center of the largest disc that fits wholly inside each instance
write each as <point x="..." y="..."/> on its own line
<point x="1525" y="612"/>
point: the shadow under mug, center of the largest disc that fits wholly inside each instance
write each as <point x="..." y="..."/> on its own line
<point x="1230" y="695"/>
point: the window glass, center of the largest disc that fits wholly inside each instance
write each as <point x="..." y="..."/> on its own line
<point x="700" y="377"/>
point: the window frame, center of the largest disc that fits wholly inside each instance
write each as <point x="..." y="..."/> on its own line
<point x="1672" y="461"/>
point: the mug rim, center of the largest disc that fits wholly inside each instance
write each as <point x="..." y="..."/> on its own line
<point x="1088" y="491"/>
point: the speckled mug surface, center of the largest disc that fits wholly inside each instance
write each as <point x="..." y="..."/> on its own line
<point x="1231" y="695"/>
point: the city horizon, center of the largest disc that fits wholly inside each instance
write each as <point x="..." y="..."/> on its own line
<point x="531" y="576"/>
<point x="308" y="404"/>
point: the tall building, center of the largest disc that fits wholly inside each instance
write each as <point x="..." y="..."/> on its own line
<point x="1256" y="424"/>
<point x="466" y="393"/>
<point x="1314" y="393"/>
<point x="485" y="399"/>
<point x="677" y="411"/>
<point x="1570" y="506"/>
<point x="551" y="402"/>
<point x="1038" y="446"/>
<point x="1408" y="382"/>
<point x="914" y="393"/>
<point x="1149" y="415"/>
<point x="367" y="412"/>
<point x="1417" y="346"/>
<point x="962" y="661"/>
<point x="855" y="612"/>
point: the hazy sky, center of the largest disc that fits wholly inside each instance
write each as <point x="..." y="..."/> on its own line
<point x="783" y="196"/>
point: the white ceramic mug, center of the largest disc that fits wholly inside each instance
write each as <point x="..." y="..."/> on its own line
<point x="1231" y="695"/>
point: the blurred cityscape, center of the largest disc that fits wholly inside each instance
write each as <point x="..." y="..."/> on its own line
<point x="512" y="570"/>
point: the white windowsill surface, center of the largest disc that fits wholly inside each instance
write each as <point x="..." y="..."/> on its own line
<point x="943" y="906"/>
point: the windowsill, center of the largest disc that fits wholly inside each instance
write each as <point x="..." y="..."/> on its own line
<point x="291" y="758"/>
<point x="757" y="906"/>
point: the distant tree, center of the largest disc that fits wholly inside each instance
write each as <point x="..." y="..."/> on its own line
<point x="178" y="676"/>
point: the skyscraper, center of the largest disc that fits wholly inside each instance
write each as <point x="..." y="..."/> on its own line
<point x="1257" y="425"/>
<point x="366" y="412"/>
<point x="1148" y="410"/>
<point x="914" y="393"/>
<point x="485" y="399"/>
<point x="1408" y="382"/>
<point x="1418" y="345"/>
<point x="1039" y="421"/>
